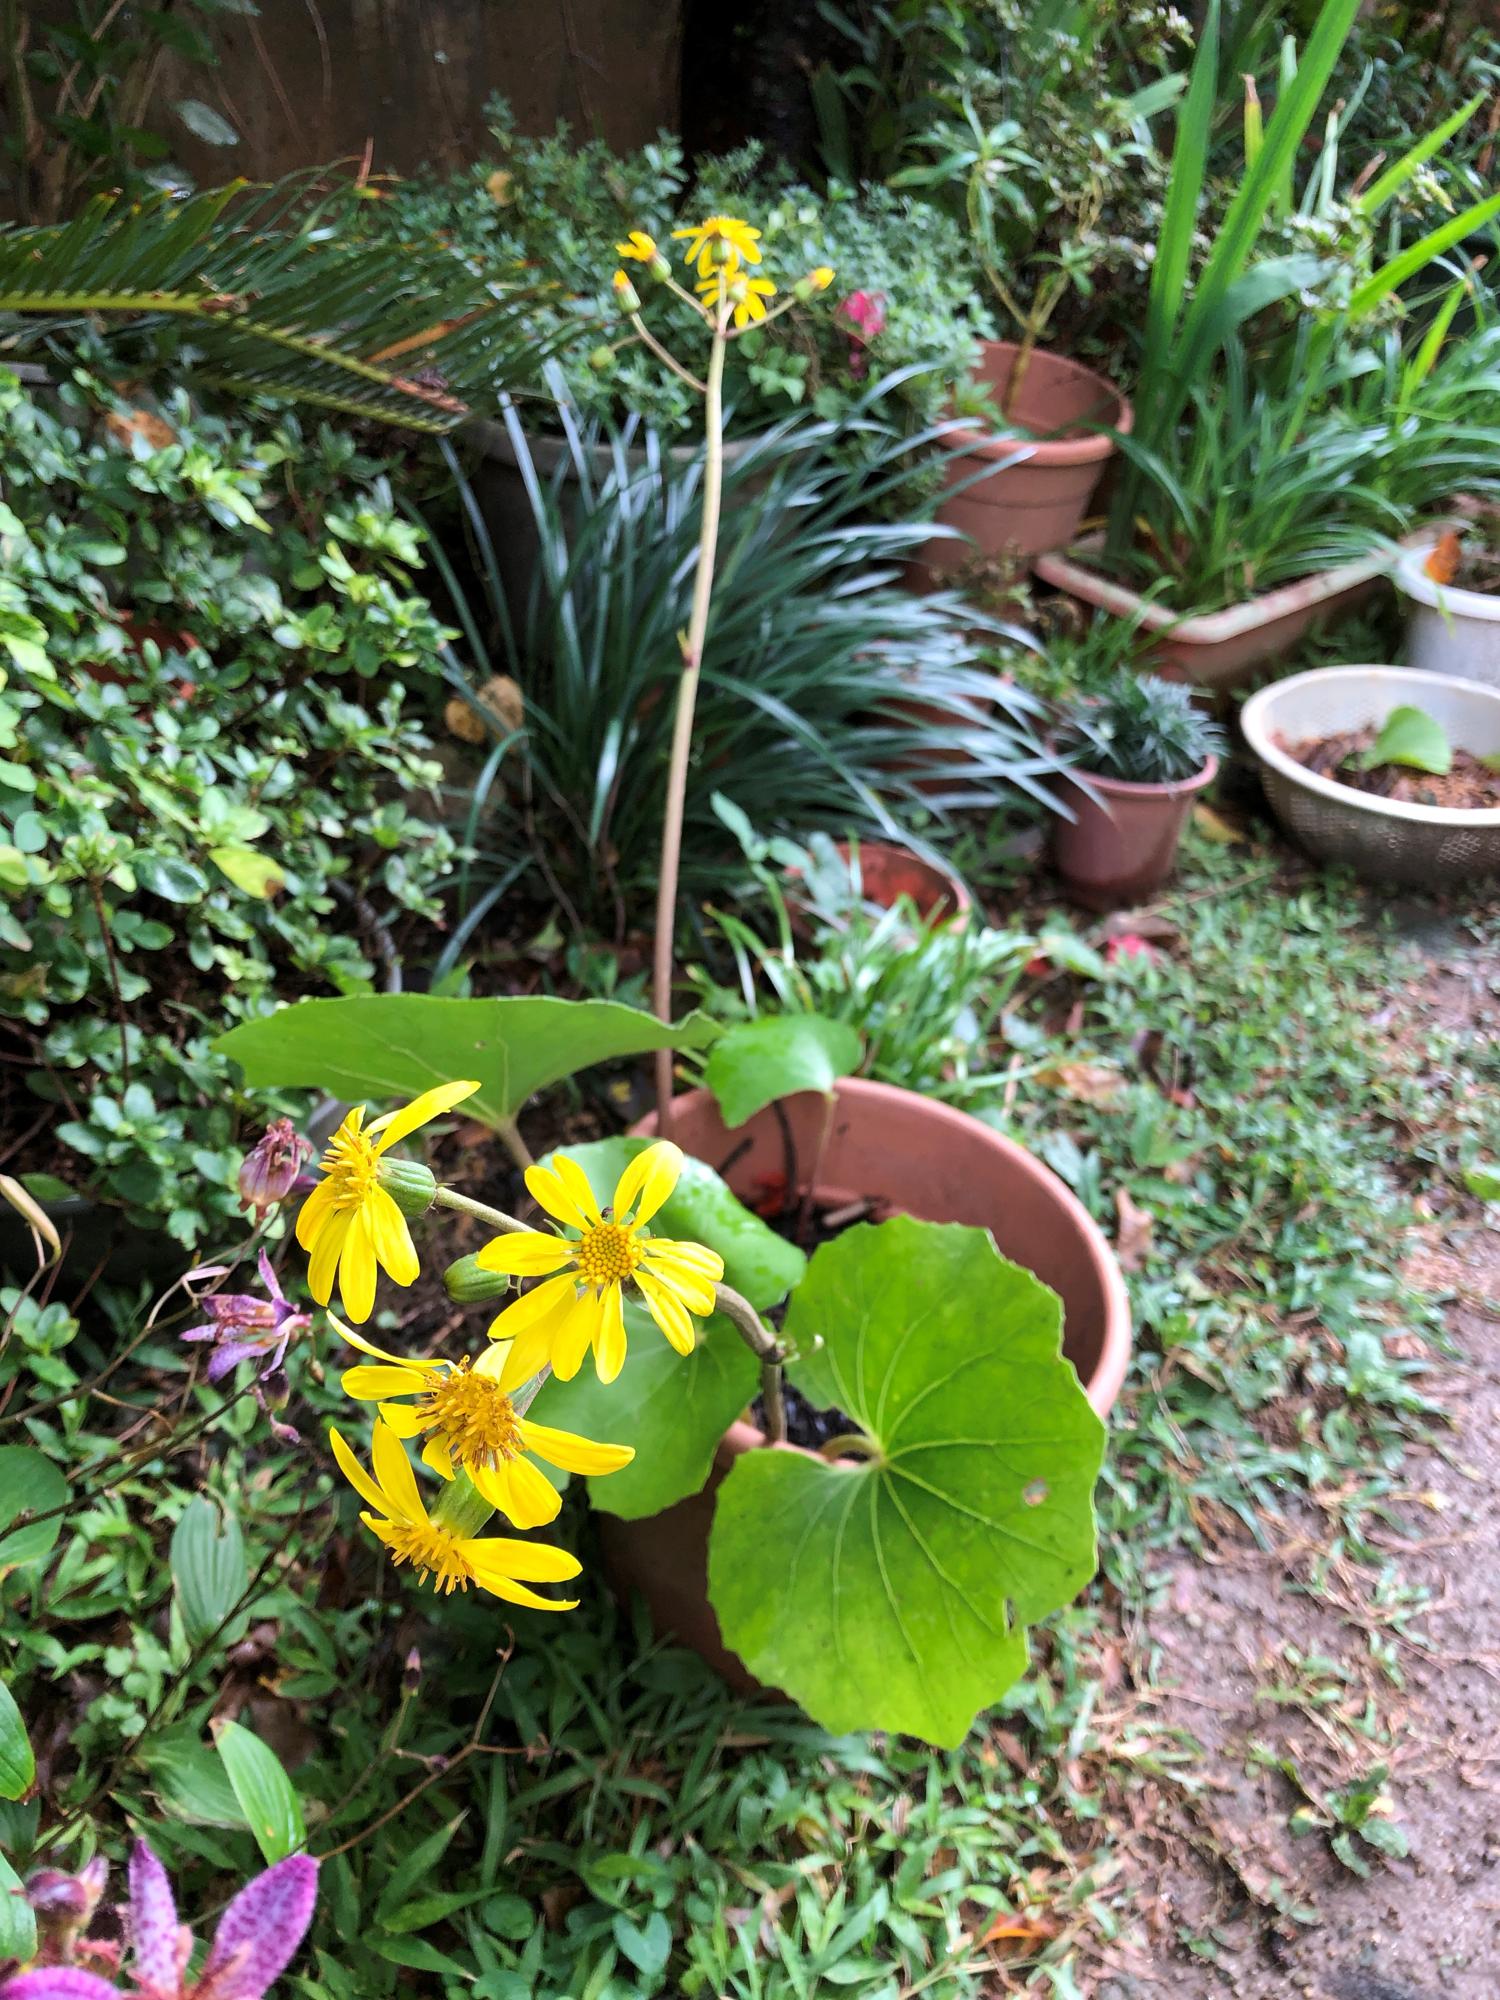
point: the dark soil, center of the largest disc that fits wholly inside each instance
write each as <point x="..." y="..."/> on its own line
<point x="805" y="1425"/>
<point x="1469" y="786"/>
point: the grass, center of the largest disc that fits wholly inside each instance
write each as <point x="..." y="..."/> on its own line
<point x="571" y="1809"/>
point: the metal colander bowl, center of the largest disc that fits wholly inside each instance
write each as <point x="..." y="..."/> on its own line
<point x="1385" y="840"/>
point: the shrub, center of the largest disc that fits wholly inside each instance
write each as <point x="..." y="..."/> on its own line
<point x="205" y="795"/>
<point x="1147" y="731"/>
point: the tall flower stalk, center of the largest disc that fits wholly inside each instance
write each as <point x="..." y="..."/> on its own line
<point x="731" y="297"/>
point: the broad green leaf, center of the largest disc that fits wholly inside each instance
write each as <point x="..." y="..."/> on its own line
<point x="29" y="1485"/>
<point x="257" y="874"/>
<point x="1483" y="1182"/>
<point x="209" y="1571"/>
<point x="17" y="1924"/>
<point x="648" y="1946"/>
<point x="892" y="1592"/>
<point x="264" y="1791"/>
<point x="389" y="1046"/>
<point x="755" y="1063"/>
<point x="191" y="1781"/>
<point x="672" y="1407"/>
<point x="174" y="880"/>
<point x="1411" y="737"/>
<point x="702" y="1208"/>
<point x="17" y="1764"/>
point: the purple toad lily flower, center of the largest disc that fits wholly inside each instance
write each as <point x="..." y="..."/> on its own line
<point x="273" y="1166"/>
<point x="246" y="1328"/>
<point x="257" y="1939"/>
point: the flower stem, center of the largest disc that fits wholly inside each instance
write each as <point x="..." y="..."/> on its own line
<point x="462" y="1204"/>
<point x="461" y="1507"/>
<point x="687" y="700"/>
<point x="759" y="1338"/>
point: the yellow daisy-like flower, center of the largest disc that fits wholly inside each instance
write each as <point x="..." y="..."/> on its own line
<point x="468" y="1421"/>
<point x="350" y="1223"/>
<point x="718" y="240"/>
<point x="749" y="294"/>
<point x="496" y="1563"/>
<point x="638" y="247"/>
<point x="822" y="276"/>
<point x="582" y="1305"/>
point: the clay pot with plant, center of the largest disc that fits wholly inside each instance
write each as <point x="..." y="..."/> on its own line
<point x="1144" y="751"/>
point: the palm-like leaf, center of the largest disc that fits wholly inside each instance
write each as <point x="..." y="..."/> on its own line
<point x="282" y="295"/>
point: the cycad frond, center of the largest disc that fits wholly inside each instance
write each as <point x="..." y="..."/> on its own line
<point x="284" y="295"/>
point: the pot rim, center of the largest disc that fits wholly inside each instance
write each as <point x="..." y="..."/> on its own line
<point x="1129" y="788"/>
<point x="1256" y="719"/>
<point x="1412" y="581"/>
<point x="1103" y="1386"/>
<point x="1087" y="449"/>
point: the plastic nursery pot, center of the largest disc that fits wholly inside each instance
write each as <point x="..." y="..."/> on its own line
<point x="1121" y="845"/>
<point x="1042" y="475"/>
<point x="1448" y="631"/>
<point x="1221" y="649"/>
<point x="908" y="1153"/>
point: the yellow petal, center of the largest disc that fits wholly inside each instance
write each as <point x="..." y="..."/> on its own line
<point x="525" y="1254"/>
<point x="393" y="1470"/>
<point x="356" y="1475"/>
<point x="395" y="1125"/>
<point x="535" y="1562"/>
<point x="436" y="1454"/>
<point x="552" y="1295"/>
<point x="576" y="1335"/>
<point x="391" y="1237"/>
<point x="571" y="1453"/>
<point x="368" y="1347"/>
<point x="524" y="1495"/>
<point x="609" y="1342"/>
<point x="516" y="1593"/>
<point x="525" y="1356"/>
<point x="670" y="1314"/>
<point x="694" y="1257"/>
<point x="313" y="1213"/>
<point x="491" y="1364"/>
<point x="357" y="1268"/>
<point x="402" y="1419"/>
<point x="326" y="1252"/>
<point x="695" y="1291"/>
<point x="648" y="1180"/>
<point x="371" y="1384"/>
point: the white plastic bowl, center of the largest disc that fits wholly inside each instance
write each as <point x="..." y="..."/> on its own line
<point x="1385" y="840"/>
<point x="1448" y="631"/>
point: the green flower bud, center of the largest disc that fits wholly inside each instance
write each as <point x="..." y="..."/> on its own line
<point x="602" y="360"/>
<point x="469" y="1285"/>
<point x="409" y="1184"/>
<point x="659" y="268"/>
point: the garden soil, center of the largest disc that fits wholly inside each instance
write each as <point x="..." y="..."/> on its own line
<point x="1290" y="1655"/>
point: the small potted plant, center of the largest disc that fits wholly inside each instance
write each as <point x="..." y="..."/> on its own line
<point x="1452" y="588"/>
<point x="1145" y="750"/>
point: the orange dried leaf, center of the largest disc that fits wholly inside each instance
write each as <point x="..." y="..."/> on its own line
<point x="1442" y="564"/>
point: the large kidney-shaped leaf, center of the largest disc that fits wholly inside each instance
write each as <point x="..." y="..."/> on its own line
<point x="672" y="1407"/>
<point x="893" y="1593"/>
<point x="702" y="1209"/>
<point x="393" y="1045"/>
<point x="776" y="1056"/>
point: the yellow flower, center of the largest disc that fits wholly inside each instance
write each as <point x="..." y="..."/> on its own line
<point x="495" y="1562"/>
<point x="749" y="294"/>
<point x="822" y="276"/>
<point x="582" y="1306"/>
<point x="638" y="247"/>
<point x="468" y="1421"/>
<point x="719" y="239"/>
<point x="626" y="295"/>
<point x="350" y="1223"/>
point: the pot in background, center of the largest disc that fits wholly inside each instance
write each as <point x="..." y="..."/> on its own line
<point x="1039" y="484"/>
<point x="1448" y="631"/>
<point x="887" y="873"/>
<point x="922" y="1158"/>
<point x="1122" y="844"/>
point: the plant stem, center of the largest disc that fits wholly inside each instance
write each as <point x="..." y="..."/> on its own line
<point x="462" y="1204"/>
<point x="687" y="699"/>
<point x="510" y="1137"/>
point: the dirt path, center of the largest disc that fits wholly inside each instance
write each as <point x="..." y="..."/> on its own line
<point x="1302" y="1677"/>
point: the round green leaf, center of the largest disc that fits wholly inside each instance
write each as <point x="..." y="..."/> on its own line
<point x="17" y="1764"/>
<point x="754" y="1064"/>
<point x="1412" y="737"/>
<point x="29" y="1485"/>
<point x="893" y="1592"/>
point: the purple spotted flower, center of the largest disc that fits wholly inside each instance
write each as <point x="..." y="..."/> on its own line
<point x="256" y="1941"/>
<point x="271" y="1167"/>
<point x="246" y="1328"/>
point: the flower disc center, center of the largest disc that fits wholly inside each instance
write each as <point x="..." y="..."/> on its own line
<point x="431" y="1551"/>
<point x="607" y="1254"/>
<point x="471" y="1415"/>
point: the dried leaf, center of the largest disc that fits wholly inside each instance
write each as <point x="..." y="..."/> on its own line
<point x="1133" y="1236"/>
<point x="1090" y="1083"/>
<point x="1213" y="828"/>
<point x="1442" y="564"/>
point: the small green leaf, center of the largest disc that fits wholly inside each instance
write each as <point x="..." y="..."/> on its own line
<point x="892" y="1592"/>
<point x="648" y="1946"/>
<point x="256" y="874"/>
<point x="29" y="1485"/>
<point x="17" y="1764"/>
<point x="754" y="1064"/>
<point x="1412" y="737"/>
<point x="17" y="1924"/>
<point x="1483" y="1182"/>
<point x="263" y="1789"/>
<point x="209" y="1571"/>
<point x="174" y="880"/>
<point x="191" y="1781"/>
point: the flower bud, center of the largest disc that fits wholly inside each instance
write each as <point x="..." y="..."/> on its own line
<point x="626" y="295"/>
<point x="269" y="1171"/>
<point x="470" y="1285"/>
<point x="659" y="268"/>
<point x="409" y="1184"/>
<point x="816" y="281"/>
<point x="601" y="361"/>
<point x="411" y="1675"/>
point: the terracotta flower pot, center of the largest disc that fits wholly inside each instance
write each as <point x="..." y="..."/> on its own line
<point x="1043" y="475"/>
<point x="887" y="873"/>
<point x="1119" y="847"/>
<point x="925" y="1159"/>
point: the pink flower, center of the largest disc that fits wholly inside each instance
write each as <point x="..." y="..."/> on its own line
<point x="243" y="1327"/>
<point x="257" y="1939"/>
<point x="863" y="317"/>
<point x="1130" y="946"/>
<point x="270" y="1168"/>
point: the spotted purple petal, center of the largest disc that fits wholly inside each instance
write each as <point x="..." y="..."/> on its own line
<point x="230" y="1355"/>
<point x="259" y="1933"/>
<point x="156" y="1954"/>
<point x="58" y="1982"/>
<point x="268" y="1279"/>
